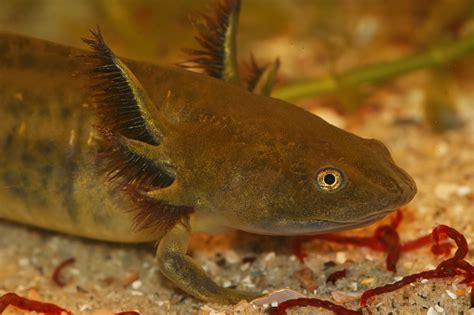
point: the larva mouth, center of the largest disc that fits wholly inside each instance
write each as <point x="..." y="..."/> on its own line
<point x="311" y="227"/>
<point x="375" y="216"/>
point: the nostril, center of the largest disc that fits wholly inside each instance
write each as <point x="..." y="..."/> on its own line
<point x="395" y="186"/>
<point x="408" y="180"/>
<point x="411" y="185"/>
<point x="406" y="183"/>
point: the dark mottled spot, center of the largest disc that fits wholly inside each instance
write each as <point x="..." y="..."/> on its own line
<point x="9" y="178"/>
<point x="14" y="110"/>
<point x="329" y="264"/>
<point x="27" y="158"/>
<point x="3" y="48"/>
<point x="44" y="110"/>
<point x="26" y="61"/>
<point x="45" y="172"/>
<point x="8" y="142"/>
<point x="20" y="187"/>
<point x="66" y="113"/>
<point x="102" y="219"/>
<point x="44" y="147"/>
<point x="67" y="189"/>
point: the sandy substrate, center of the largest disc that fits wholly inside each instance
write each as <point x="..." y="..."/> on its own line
<point x="116" y="278"/>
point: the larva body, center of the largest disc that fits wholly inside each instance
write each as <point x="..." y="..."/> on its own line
<point x="50" y="173"/>
<point x="193" y="152"/>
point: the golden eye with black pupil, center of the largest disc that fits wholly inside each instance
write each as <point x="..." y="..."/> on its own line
<point x="330" y="179"/>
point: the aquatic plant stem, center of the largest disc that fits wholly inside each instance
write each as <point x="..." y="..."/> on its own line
<point x="377" y="72"/>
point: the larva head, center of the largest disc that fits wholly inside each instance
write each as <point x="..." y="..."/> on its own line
<point x="307" y="176"/>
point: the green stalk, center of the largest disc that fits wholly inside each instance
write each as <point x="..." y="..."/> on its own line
<point x="377" y="72"/>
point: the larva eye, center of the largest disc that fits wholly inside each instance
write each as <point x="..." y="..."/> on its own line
<point x="330" y="179"/>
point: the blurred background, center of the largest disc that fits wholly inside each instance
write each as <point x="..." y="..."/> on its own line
<point x="426" y="117"/>
<point x="157" y="29"/>
<point x="312" y="37"/>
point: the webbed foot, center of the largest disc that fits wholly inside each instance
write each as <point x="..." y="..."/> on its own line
<point x="184" y="272"/>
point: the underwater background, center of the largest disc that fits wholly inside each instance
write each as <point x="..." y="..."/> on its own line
<point x="426" y="117"/>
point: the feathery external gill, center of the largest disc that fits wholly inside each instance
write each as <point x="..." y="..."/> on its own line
<point x="217" y="38"/>
<point x="122" y="114"/>
<point x="125" y="117"/>
<point x="126" y="166"/>
<point x="260" y="79"/>
<point x="119" y="96"/>
<point x="252" y="72"/>
<point x="218" y="54"/>
<point x="154" y="214"/>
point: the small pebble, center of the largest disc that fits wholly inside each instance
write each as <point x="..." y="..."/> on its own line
<point x="451" y="295"/>
<point x="369" y="257"/>
<point x="129" y="278"/>
<point x="136" y="284"/>
<point x="341" y="257"/>
<point x="354" y="286"/>
<point x="231" y="256"/>
<point x="278" y="296"/>
<point x="441" y="149"/>
<point x="439" y="309"/>
<point x="378" y="304"/>
<point x="244" y="267"/>
<point x="460" y="292"/>
<point x="430" y="267"/>
<point x="85" y="307"/>
<point x="463" y="191"/>
<point x="367" y="281"/>
<point x="269" y="256"/>
<point x="345" y="297"/>
<point x="306" y="278"/>
<point x="247" y="281"/>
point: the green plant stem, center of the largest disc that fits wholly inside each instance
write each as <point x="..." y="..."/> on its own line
<point x="377" y="72"/>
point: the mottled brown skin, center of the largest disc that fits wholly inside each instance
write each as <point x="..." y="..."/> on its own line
<point x="240" y="160"/>
<point x="50" y="175"/>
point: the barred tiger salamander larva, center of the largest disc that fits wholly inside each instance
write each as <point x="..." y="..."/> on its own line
<point x="86" y="137"/>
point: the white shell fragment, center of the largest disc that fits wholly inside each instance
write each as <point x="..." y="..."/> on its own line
<point x="342" y="297"/>
<point x="278" y="296"/>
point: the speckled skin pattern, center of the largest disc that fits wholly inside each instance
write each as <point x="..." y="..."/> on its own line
<point x="241" y="160"/>
<point x="50" y="175"/>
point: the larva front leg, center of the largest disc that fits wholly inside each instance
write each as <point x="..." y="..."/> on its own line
<point x="183" y="271"/>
